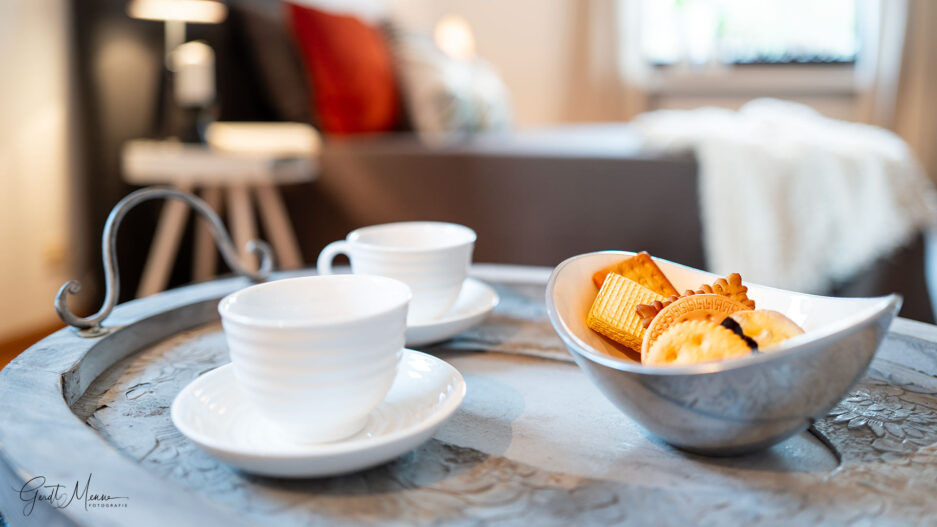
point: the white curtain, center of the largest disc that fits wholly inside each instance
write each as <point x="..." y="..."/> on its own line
<point x="916" y="109"/>
<point x="883" y="31"/>
<point x="608" y="73"/>
<point x="897" y="78"/>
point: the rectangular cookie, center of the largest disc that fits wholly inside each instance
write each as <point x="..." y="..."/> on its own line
<point x="641" y="269"/>
<point x="613" y="312"/>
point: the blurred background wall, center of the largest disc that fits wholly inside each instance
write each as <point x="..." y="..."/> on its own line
<point x="36" y="160"/>
<point x="530" y="43"/>
<point x="560" y="61"/>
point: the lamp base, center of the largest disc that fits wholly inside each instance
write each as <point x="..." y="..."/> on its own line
<point x="190" y="124"/>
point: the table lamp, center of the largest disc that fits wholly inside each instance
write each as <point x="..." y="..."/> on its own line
<point x="175" y="13"/>
<point x="192" y="63"/>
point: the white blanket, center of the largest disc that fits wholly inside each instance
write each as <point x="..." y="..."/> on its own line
<point x="792" y="199"/>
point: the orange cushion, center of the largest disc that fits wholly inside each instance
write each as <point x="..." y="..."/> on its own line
<point x="350" y="70"/>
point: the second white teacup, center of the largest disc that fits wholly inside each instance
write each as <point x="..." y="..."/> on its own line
<point x="316" y="354"/>
<point x="431" y="257"/>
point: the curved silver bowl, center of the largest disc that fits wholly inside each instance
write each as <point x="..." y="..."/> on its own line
<point x="730" y="407"/>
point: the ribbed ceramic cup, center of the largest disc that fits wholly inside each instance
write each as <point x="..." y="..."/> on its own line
<point x="316" y="354"/>
<point x="430" y="257"/>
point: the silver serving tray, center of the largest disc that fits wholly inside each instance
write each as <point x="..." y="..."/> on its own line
<point x="534" y="443"/>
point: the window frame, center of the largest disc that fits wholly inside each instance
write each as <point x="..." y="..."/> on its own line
<point x="782" y="79"/>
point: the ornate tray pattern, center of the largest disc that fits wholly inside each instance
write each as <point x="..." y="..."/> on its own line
<point x="884" y="434"/>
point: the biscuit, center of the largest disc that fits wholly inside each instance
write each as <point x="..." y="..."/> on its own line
<point x="709" y="307"/>
<point x="612" y="313"/>
<point x="733" y="326"/>
<point x="695" y="341"/>
<point x="767" y="328"/>
<point x="730" y="286"/>
<point x="641" y="269"/>
<point x="647" y="312"/>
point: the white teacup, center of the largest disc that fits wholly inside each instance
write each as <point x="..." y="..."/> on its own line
<point x="316" y="354"/>
<point x="431" y="257"/>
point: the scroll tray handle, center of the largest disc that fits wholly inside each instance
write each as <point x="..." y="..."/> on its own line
<point x="91" y="326"/>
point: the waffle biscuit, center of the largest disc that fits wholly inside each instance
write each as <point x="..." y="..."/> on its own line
<point x="641" y="269"/>
<point x="730" y="286"/>
<point x="612" y="313"/>
<point x="695" y="341"/>
<point x="767" y="328"/>
<point x="709" y="307"/>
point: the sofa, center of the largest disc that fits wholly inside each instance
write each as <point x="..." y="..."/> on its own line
<point x="538" y="197"/>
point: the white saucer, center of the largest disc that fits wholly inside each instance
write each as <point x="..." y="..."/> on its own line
<point x="212" y="413"/>
<point x="475" y="301"/>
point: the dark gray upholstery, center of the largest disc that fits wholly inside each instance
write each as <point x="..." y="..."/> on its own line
<point x="531" y="201"/>
<point x="538" y="197"/>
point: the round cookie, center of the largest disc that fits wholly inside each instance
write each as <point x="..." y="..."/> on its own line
<point x="766" y="327"/>
<point x="730" y="286"/>
<point x="709" y="307"/>
<point x="695" y="341"/>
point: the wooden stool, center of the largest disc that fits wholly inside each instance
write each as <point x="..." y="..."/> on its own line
<point x="219" y="176"/>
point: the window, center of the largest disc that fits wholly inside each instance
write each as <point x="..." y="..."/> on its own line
<point x="699" y="32"/>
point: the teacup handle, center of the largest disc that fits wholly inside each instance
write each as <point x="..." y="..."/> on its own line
<point x="324" y="263"/>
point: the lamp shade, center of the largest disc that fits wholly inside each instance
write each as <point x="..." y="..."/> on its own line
<point x="193" y="11"/>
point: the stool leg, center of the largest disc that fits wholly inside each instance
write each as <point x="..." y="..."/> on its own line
<point x="204" y="261"/>
<point x="165" y="246"/>
<point x="242" y="222"/>
<point x="277" y="226"/>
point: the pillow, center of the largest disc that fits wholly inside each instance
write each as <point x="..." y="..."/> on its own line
<point x="445" y="95"/>
<point x="350" y="70"/>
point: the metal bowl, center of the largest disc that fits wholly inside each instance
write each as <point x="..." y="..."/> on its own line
<point x="735" y="406"/>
